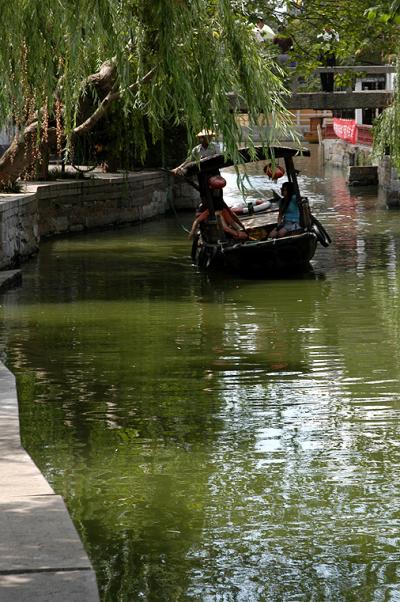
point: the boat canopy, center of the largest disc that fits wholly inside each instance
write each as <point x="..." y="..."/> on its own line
<point x="257" y="153"/>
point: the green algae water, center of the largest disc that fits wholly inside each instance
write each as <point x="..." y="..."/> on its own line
<point x="217" y="438"/>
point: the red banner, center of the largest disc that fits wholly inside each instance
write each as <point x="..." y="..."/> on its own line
<point x="345" y="129"/>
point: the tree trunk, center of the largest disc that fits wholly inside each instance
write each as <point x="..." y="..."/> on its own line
<point x="16" y="160"/>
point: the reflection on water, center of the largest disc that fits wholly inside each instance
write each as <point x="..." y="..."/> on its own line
<point x="217" y="438"/>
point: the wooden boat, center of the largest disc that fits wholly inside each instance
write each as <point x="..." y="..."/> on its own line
<point x="212" y="248"/>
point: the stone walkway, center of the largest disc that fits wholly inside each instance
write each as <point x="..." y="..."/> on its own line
<point x="41" y="556"/>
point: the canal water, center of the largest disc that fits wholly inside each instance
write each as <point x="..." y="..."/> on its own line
<point x="217" y="438"/>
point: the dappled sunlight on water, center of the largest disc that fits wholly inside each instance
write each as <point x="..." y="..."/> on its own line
<point x="217" y="438"/>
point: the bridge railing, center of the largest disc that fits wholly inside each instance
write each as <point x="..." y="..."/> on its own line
<point x="335" y="100"/>
<point x="343" y="99"/>
<point x="369" y="69"/>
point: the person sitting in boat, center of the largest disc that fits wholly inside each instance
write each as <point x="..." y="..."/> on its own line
<point x="289" y="212"/>
<point x="230" y="222"/>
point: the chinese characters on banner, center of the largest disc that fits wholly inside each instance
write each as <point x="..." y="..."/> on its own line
<point x="345" y="129"/>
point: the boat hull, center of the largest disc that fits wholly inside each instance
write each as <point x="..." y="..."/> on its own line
<point x="287" y="254"/>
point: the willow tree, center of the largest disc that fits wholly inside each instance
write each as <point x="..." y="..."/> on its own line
<point x="63" y="63"/>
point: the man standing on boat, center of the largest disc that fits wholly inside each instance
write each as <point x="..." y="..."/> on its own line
<point x="206" y="148"/>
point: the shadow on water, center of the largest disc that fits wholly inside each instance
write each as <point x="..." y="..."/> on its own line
<point x="216" y="277"/>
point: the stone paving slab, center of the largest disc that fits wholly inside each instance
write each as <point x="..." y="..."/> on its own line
<point x="37" y="534"/>
<point x="42" y="558"/>
<point x="67" y="586"/>
<point x="9" y="418"/>
<point x="19" y="476"/>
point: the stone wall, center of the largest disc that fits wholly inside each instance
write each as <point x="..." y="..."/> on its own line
<point x="105" y="200"/>
<point x="343" y="154"/>
<point x="19" y="232"/>
<point x="390" y="182"/>
<point x="365" y="175"/>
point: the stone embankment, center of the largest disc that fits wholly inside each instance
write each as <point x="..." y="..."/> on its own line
<point x="363" y="169"/>
<point x="47" y="209"/>
<point x="343" y="154"/>
<point x="42" y="557"/>
<point x="390" y="181"/>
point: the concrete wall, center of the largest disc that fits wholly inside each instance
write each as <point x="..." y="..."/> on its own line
<point x="104" y="200"/>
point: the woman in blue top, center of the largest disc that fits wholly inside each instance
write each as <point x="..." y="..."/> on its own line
<point x="289" y="213"/>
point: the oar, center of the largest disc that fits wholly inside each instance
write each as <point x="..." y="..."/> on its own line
<point x="172" y="205"/>
<point x="188" y="180"/>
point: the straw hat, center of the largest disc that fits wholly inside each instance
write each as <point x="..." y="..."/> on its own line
<point x="205" y="133"/>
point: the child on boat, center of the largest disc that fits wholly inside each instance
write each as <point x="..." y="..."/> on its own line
<point x="289" y="212"/>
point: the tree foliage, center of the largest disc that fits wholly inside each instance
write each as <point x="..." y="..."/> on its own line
<point x="387" y="126"/>
<point x="367" y="34"/>
<point x="64" y="63"/>
<point x="385" y="12"/>
<point x="167" y="61"/>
